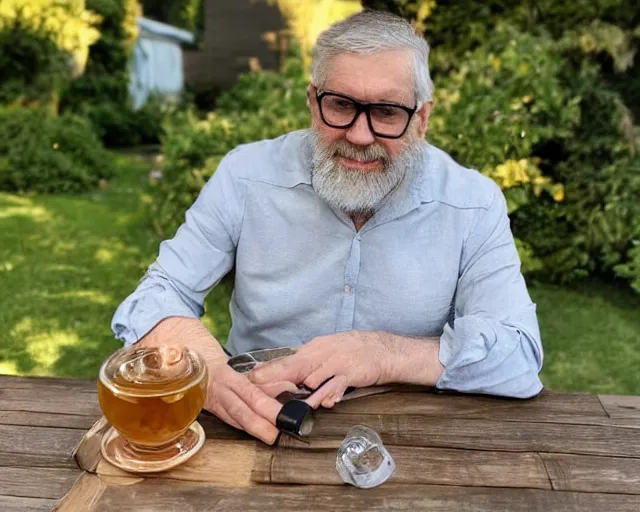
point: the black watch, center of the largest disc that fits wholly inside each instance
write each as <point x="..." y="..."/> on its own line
<point x="295" y="417"/>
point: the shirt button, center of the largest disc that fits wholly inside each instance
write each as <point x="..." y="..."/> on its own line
<point x="347" y="289"/>
<point x="358" y="237"/>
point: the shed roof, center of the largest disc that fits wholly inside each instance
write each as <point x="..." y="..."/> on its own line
<point x="162" y="29"/>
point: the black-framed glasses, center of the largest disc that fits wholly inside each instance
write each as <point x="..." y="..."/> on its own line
<point x="386" y="120"/>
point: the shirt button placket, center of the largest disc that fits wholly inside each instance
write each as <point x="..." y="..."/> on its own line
<point x="351" y="272"/>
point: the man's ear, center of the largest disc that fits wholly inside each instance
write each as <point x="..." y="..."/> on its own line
<point x="423" y="114"/>
<point x="309" y="96"/>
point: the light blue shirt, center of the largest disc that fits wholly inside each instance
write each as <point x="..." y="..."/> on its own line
<point x="437" y="259"/>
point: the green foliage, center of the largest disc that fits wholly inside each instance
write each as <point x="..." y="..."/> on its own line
<point x="499" y="104"/>
<point x="549" y="122"/>
<point x="69" y="24"/>
<point x="416" y="11"/>
<point x="261" y="105"/>
<point x="32" y="67"/>
<point x="594" y="227"/>
<point x="187" y="14"/>
<point x="42" y="43"/>
<point x="43" y="152"/>
<point x="119" y="125"/>
<point x="631" y="269"/>
<point x="101" y="94"/>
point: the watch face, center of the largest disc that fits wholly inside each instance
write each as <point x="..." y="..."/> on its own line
<point x="307" y="425"/>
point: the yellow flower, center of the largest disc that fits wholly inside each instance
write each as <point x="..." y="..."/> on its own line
<point x="495" y="62"/>
<point x="558" y="195"/>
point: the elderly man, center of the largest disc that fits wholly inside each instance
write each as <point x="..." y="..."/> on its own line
<point x="372" y="251"/>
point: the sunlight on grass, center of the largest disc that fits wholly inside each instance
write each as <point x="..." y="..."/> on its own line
<point x="104" y="255"/>
<point x="35" y="213"/>
<point x="8" y="368"/>
<point x="42" y="346"/>
<point x="93" y="296"/>
<point x="65" y="265"/>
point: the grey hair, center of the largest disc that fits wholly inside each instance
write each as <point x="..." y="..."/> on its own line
<point x="370" y="32"/>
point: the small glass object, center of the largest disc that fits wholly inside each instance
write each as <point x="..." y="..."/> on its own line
<point x="362" y="459"/>
<point x="152" y="397"/>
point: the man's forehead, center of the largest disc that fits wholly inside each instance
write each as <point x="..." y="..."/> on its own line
<point x="384" y="76"/>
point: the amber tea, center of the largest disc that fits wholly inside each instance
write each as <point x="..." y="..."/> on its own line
<point x="151" y="417"/>
<point x="152" y="397"/>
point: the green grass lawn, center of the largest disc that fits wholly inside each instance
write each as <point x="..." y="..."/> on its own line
<point x="67" y="262"/>
<point x="591" y="337"/>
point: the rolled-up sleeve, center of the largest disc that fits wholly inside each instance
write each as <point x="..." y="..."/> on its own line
<point x="189" y="265"/>
<point x="493" y="346"/>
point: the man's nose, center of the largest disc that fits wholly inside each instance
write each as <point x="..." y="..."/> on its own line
<point x="360" y="133"/>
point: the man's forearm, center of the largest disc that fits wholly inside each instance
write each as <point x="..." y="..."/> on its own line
<point x="185" y="332"/>
<point x="412" y="360"/>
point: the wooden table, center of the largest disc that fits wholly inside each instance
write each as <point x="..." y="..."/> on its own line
<point x="555" y="452"/>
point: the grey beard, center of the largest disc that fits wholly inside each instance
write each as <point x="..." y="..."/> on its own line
<point x="353" y="191"/>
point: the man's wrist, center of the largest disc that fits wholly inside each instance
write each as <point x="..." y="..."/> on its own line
<point x="410" y="360"/>
<point x="189" y="332"/>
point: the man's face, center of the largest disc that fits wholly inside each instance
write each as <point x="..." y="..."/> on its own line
<point x="354" y="168"/>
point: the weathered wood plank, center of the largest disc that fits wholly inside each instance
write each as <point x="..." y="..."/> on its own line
<point x="225" y="463"/>
<point x="40" y="383"/>
<point x="622" y="406"/>
<point x="53" y="442"/>
<point x="15" y="504"/>
<point x="593" y="474"/>
<point x="546" y="406"/>
<point x="412" y="430"/>
<point x="164" y="495"/>
<point x="84" y="495"/>
<point x="413" y="466"/>
<point x="50" y="483"/>
<point x="51" y="400"/>
<point x="46" y="419"/>
<point x="39" y="460"/>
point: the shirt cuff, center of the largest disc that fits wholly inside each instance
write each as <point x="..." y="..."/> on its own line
<point x="141" y="312"/>
<point x="481" y="355"/>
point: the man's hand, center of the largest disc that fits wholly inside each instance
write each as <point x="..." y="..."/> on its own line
<point x="230" y="395"/>
<point x="242" y="404"/>
<point x="354" y="358"/>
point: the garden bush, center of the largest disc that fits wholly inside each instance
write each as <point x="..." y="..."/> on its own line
<point x="101" y="94"/>
<point x="43" y="152"/>
<point x="589" y="146"/>
<point x="260" y="105"/>
<point x="32" y="68"/>
<point x="42" y="44"/>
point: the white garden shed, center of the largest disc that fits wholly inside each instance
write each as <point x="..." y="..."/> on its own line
<point x="157" y="61"/>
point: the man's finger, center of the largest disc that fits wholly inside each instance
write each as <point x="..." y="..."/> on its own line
<point x="294" y="368"/>
<point x="320" y="376"/>
<point x="333" y="387"/>
<point x="276" y="388"/>
<point x="249" y="421"/>
<point x="256" y="399"/>
<point x="222" y="414"/>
